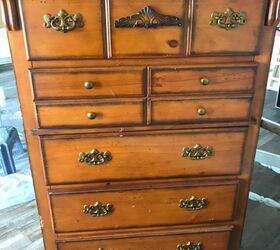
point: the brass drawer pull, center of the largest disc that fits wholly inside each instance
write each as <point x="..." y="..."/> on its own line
<point x="197" y="152"/>
<point x="98" y="209"/>
<point x="202" y="111"/>
<point x="89" y="85"/>
<point x="95" y="157"/>
<point x="204" y="81"/>
<point x="228" y="19"/>
<point x="63" y="21"/>
<point x="189" y="246"/>
<point x="91" y="115"/>
<point x="193" y="203"/>
<point x="148" y="17"/>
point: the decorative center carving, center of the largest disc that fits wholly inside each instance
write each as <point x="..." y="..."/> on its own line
<point x="197" y="152"/>
<point x="98" y="209"/>
<point x="95" y="157"/>
<point x="228" y="20"/>
<point x="148" y="18"/>
<point x="63" y="21"/>
<point x="193" y="203"/>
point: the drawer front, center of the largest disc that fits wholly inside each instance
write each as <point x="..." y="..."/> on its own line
<point x="142" y="208"/>
<point x="83" y="41"/>
<point x="130" y="40"/>
<point x="88" y="84"/>
<point x="202" y="110"/>
<point x="146" y="156"/>
<point x="95" y="115"/>
<point x="209" y="241"/>
<point x="177" y="81"/>
<point x="230" y="37"/>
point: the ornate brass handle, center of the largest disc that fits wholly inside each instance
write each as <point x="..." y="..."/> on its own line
<point x="91" y="115"/>
<point x="189" y="246"/>
<point x="197" y="152"/>
<point x="148" y="18"/>
<point x="63" y="21"/>
<point x="89" y="85"/>
<point x="193" y="203"/>
<point x="228" y="19"/>
<point x="98" y="209"/>
<point x="204" y="81"/>
<point x="95" y="157"/>
<point x="201" y="111"/>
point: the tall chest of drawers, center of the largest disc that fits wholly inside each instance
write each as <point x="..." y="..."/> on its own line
<point x="141" y="117"/>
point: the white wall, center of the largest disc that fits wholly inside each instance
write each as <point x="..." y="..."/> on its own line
<point x="4" y="45"/>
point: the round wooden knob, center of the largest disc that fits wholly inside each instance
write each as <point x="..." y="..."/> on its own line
<point x="89" y="85"/>
<point x="91" y="115"/>
<point x="201" y="111"/>
<point x="204" y="81"/>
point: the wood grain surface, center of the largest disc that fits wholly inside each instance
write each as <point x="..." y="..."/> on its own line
<point x="142" y="156"/>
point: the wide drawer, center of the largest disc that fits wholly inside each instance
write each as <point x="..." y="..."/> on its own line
<point x="143" y="155"/>
<point x="227" y="27"/>
<point x="92" y="115"/>
<point x="63" y="29"/>
<point x="201" y="80"/>
<point x="51" y="84"/>
<point x="172" y="241"/>
<point x="96" y="210"/>
<point x="200" y="110"/>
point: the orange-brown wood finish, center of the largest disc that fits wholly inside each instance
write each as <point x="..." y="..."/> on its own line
<point x="163" y="242"/>
<point x="148" y="42"/>
<point x="142" y="156"/>
<point x="107" y="83"/>
<point x="146" y="94"/>
<point x="86" y="41"/>
<point x="214" y="40"/>
<point x="184" y="111"/>
<point x="142" y="208"/>
<point x="107" y="114"/>
<point x="189" y="81"/>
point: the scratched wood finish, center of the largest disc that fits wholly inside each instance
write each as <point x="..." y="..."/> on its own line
<point x="142" y="157"/>
<point x="71" y="84"/>
<point x="208" y="39"/>
<point x="107" y="114"/>
<point x="49" y="43"/>
<point x="188" y="81"/>
<point x="184" y="111"/>
<point x="142" y="208"/>
<point x="165" y="242"/>
<point x="141" y="42"/>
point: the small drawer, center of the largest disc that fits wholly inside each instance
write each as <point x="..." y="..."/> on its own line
<point x="200" y="110"/>
<point x="227" y="27"/>
<point x="87" y="83"/>
<point x="202" y="80"/>
<point x="148" y="28"/>
<point x="63" y="29"/>
<point x="143" y="155"/>
<point x="104" y="210"/>
<point x="211" y="240"/>
<point x="94" y="115"/>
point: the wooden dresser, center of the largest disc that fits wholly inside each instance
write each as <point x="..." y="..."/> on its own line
<point x="141" y="117"/>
